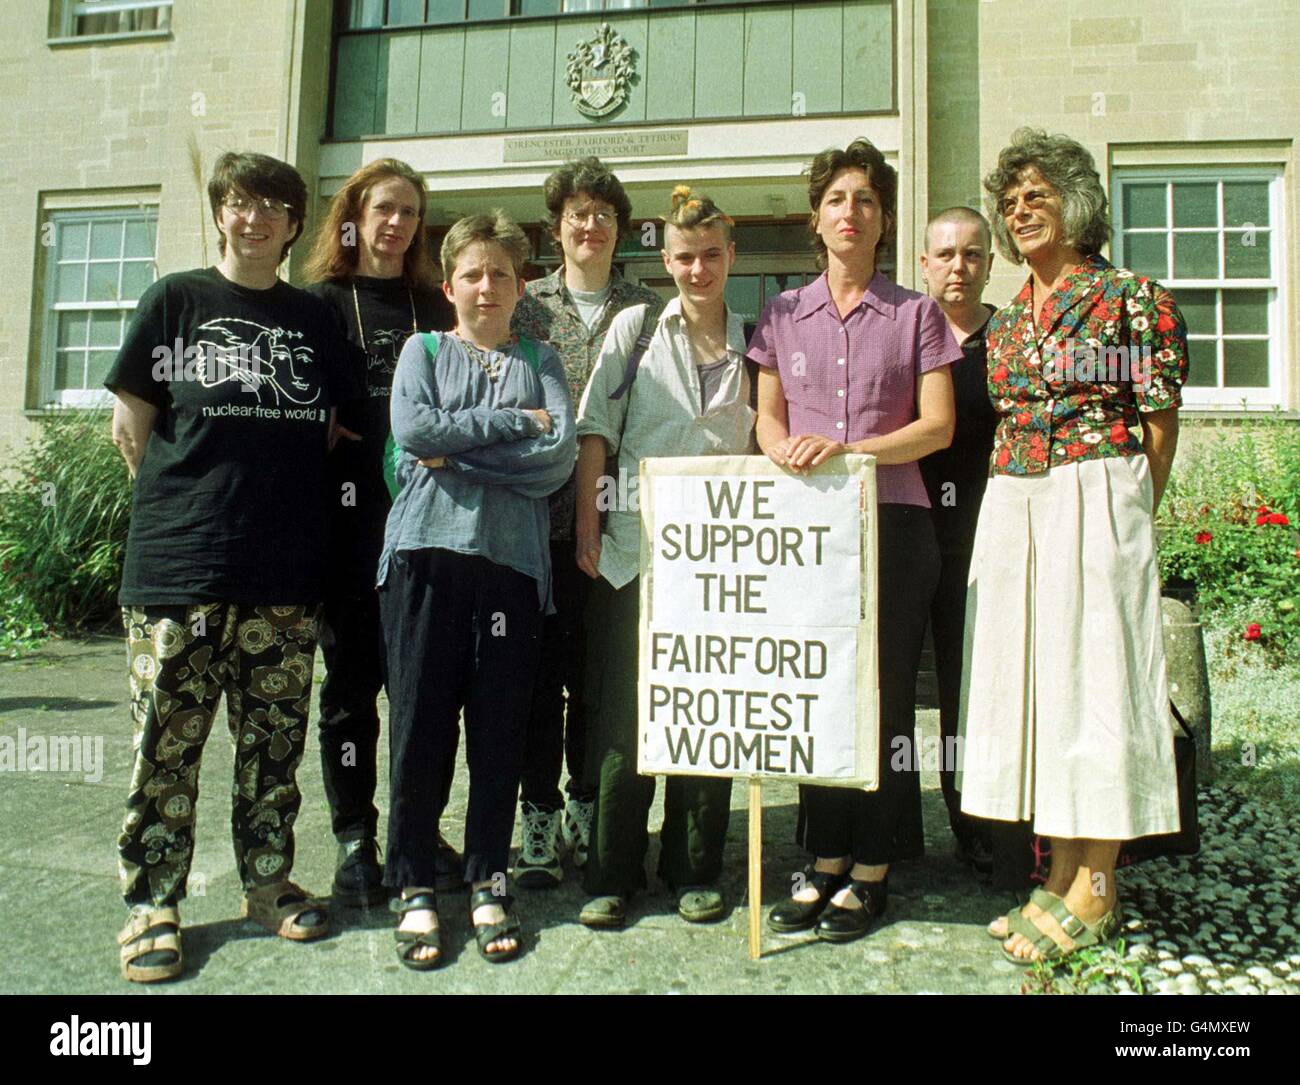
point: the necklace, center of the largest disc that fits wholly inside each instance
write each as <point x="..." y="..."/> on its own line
<point x="361" y="328"/>
<point x="488" y="361"/>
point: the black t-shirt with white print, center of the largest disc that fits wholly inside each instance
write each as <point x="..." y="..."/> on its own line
<point x="390" y="312"/>
<point x="229" y="503"/>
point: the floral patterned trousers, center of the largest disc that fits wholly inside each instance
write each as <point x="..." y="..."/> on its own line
<point x="182" y="658"/>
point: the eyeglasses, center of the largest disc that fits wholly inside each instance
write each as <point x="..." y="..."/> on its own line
<point x="1033" y="199"/>
<point x="604" y="219"/>
<point x="272" y="209"/>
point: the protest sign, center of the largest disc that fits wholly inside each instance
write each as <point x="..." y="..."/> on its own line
<point x="758" y="620"/>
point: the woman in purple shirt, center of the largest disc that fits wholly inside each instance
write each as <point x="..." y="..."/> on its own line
<point x="853" y="363"/>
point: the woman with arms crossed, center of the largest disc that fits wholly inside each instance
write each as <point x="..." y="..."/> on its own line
<point x="853" y="363"/>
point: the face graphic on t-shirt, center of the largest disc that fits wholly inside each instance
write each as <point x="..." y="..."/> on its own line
<point x="266" y="361"/>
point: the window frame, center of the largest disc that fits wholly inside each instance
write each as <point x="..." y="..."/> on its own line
<point x="49" y="396"/>
<point x="341" y="18"/>
<point x="1219" y="397"/>
<point x="64" y="30"/>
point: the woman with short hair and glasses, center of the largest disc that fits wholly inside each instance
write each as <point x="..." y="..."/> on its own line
<point x="371" y="263"/>
<point x="224" y="570"/>
<point x="587" y="214"/>
<point x="1066" y="718"/>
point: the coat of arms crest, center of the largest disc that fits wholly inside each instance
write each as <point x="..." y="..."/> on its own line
<point x="599" y="72"/>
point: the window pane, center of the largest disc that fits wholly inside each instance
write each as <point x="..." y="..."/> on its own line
<point x="366" y="13"/>
<point x="72" y="240"/>
<point x="1248" y="261"/>
<point x="405" y="12"/>
<point x="1146" y="254"/>
<point x="136" y="277"/>
<point x="743" y="296"/>
<point x="1144" y="205"/>
<point x="69" y="369"/>
<point x="101" y="361"/>
<point x="780" y="281"/>
<point x="446" y="11"/>
<point x="1196" y="204"/>
<point x="1197" y="307"/>
<point x="581" y="5"/>
<point x="1245" y="312"/>
<point x="102" y="282"/>
<point x="1196" y="256"/>
<point x="140" y="238"/>
<point x="106" y="240"/>
<point x="72" y="329"/>
<point x="1245" y="201"/>
<point x="539" y="7"/>
<point x="1245" y="363"/>
<point x="105" y="328"/>
<point x="71" y="283"/>
<point x="1201" y="365"/>
<point x="488" y="9"/>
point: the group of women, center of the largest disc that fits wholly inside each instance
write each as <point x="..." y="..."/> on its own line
<point x="235" y="492"/>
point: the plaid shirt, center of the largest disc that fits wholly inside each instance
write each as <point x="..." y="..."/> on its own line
<point x="546" y="312"/>
<point x="1113" y="344"/>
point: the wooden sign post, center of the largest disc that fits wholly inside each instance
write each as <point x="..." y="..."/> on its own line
<point x="758" y="627"/>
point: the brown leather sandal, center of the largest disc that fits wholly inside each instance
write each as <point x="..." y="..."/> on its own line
<point x="154" y="931"/>
<point x="278" y="908"/>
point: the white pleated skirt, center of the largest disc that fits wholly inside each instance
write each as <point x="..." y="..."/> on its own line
<point x="1065" y="716"/>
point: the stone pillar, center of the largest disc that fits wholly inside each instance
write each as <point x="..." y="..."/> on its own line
<point x="1189" y="681"/>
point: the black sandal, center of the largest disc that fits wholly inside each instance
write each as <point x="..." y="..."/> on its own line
<point x="793" y="915"/>
<point x="407" y="941"/>
<point x="487" y="933"/>
<point x="849" y="924"/>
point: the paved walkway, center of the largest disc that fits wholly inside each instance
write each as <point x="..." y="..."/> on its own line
<point x="59" y="895"/>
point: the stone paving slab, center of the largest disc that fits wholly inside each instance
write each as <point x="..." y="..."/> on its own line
<point x="58" y="889"/>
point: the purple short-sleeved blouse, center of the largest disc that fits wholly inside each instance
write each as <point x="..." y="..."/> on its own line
<point x="855" y="378"/>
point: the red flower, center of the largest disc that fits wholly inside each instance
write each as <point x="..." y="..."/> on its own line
<point x="1119" y="433"/>
<point x="1164" y="322"/>
<point x="1077" y="449"/>
<point x="1252" y="632"/>
<point x="1039" y="454"/>
<point x="1203" y="537"/>
<point x="1000" y="374"/>
<point x="1278" y="518"/>
<point x="1004" y="457"/>
<point x="1023" y="418"/>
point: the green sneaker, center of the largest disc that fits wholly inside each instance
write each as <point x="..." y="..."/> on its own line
<point x="700" y="904"/>
<point x="604" y="913"/>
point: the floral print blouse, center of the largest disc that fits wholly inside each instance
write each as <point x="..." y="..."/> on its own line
<point x="1108" y="345"/>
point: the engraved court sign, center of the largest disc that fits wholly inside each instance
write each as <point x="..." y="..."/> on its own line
<point x="758" y="620"/>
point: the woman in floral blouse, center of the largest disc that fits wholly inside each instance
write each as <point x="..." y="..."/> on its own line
<point x="1066" y="718"/>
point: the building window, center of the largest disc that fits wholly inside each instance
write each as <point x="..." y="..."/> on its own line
<point x="109" y="18"/>
<point x="98" y="265"/>
<point x="374" y="14"/>
<point x="1213" y="237"/>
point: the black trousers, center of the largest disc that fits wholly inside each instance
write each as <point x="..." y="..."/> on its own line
<point x="696" y="808"/>
<point x="557" y="726"/>
<point x="948" y="626"/>
<point x="461" y="633"/>
<point x="352" y="642"/>
<point x="884" y="826"/>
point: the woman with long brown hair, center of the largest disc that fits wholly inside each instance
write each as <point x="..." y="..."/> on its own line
<point x="371" y="262"/>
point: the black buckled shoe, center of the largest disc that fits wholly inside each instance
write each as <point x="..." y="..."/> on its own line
<point x="358" y="877"/>
<point x="849" y="924"/>
<point x="793" y="915"/>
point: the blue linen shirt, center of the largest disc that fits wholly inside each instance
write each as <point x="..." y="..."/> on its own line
<point x="490" y="498"/>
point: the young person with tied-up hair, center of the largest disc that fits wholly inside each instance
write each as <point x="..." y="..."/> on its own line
<point x="371" y="263"/>
<point x="587" y="214"/>
<point x="224" y="567"/>
<point x="689" y="396"/>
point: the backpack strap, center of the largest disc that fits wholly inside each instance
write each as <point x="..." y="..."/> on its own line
<point x="392" y="453"/>
<point x="431" y="343"/>
<point x="642" y="344"/>
<point x="528" y="348"/>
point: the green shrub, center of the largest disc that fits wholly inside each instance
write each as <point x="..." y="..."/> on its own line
<point x="1228" y="525"/>
<point x="63" y="524"/>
